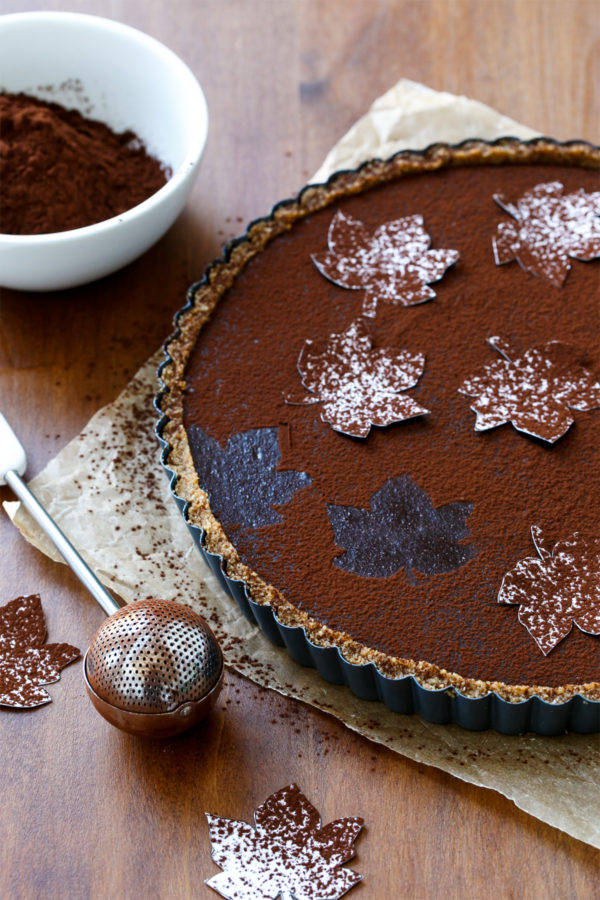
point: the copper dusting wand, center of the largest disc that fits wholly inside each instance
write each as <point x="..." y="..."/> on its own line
<point x="154" y="667"/>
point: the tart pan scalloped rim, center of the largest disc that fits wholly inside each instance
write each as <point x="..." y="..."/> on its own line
<point x="403" y="695"/>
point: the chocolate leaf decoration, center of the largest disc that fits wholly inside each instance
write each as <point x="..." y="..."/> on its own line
<point x="241" y="479"/>
<point x="401" y="530"/>
<point x="393" y="265"/>
<point x="359" y="385"/>
<point x="534" y="390"/>
<point x="26" y="661"/>
<point x="559" y="589"/>
<point x="549" y="229"/>
<point x="286" y="854"/>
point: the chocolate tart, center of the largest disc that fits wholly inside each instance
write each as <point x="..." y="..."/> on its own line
<point x="407" y="535"/>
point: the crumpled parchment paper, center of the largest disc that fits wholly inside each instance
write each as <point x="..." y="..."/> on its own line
<point x="107" y="489"/>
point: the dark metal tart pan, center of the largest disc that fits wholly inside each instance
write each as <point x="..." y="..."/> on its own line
<point x="404" y="695"/>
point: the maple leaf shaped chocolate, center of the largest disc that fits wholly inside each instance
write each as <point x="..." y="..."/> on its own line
<point x="393" y="265"/>
<point x="26" y="661"/>
<point x="241" y="479"/>
<point x="401" y="530"/>
<point x="357" y="384"/>
<point x="550" y="228"/>
<point x="287" y="854"/>
<point x="534" y="390"/>
<point x="556" y="591"/>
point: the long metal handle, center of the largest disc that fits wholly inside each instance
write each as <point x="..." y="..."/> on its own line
<point x="62" y="543"/>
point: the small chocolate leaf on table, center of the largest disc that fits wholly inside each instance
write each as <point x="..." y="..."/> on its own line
<point x="549" y="229"/>
<point x="556" y="591"/>
<point x="286" y="854"/>
<point x="401" y="530"/>
<point x="393" y="265"/>
<point x="26" y="661"/>
<point x="534" y="390"/>
<point x="357" y="384"/>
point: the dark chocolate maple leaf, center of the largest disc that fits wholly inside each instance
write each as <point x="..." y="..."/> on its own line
<point x="286" y="854"/>
<point x="534" y="390"/>
<point x="401" y="530"/>
<point x="359" y="385"/>
<point x="549" y="229"/>
<point x="26" y="661"/>
<point x="393" y="265"/>
<point x="241" y="479"/>
<point x="557" y="590"/>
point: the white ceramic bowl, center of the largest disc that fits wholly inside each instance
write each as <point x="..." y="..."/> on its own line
<point x="114" y="73"/>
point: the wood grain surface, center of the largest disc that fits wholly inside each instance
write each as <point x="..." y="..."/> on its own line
<point x="87" y="811"/>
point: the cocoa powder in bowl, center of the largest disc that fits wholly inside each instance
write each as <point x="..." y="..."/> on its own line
<point x="60" y="170"/>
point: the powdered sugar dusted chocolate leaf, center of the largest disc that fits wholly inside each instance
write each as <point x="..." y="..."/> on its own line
<point x="559" y="589"/>
<point x="242" y="479"/>
<point x="534" y="390"/>
<point x="393" y="265"/>
<point x="26" y="662"/>
<point x="401" y="530"/>
<point x="359" y="385"/>
<point x="286" y="854"/>
<point x="550" y="228"/>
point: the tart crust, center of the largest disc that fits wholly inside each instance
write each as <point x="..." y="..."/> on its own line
<point x="202" y="299"/>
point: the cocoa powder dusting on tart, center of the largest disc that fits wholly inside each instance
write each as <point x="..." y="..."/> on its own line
<point x="230" y="366"/>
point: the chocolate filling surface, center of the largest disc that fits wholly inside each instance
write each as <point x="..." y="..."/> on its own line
<point x="476" y="495"/>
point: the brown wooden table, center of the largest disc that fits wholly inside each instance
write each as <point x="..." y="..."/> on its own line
<point x="87" y="811"/>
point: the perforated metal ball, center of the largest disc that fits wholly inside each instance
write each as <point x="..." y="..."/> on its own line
<point x="152" y="656"/>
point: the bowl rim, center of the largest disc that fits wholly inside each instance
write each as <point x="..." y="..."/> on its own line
<point x="177" y="178"/>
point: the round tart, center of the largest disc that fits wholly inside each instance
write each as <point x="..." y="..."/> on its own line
<point x="382" y="412"/>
